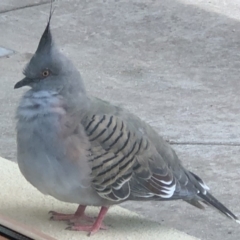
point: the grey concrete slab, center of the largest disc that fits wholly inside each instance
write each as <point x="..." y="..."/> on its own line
<point x="173" y="63"/>
<point x="9" y="5"/>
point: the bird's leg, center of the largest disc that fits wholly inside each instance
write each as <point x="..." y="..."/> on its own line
<point x="97" y="225"/>
<point x="78" y="215"/>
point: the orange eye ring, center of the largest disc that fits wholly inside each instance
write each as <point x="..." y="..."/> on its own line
<point x="45" y="73"/>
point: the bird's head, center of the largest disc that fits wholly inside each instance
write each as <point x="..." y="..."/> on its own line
<point x="49" y="69"/>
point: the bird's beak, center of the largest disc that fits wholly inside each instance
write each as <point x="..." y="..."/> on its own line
<point x="24" y="82"/>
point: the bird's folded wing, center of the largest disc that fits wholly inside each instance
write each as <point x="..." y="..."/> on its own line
<point x="125" y="163"/>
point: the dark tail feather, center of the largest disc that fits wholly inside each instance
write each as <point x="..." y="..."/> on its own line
<point x="212" y="201"/>
<point x="195" y="203"/>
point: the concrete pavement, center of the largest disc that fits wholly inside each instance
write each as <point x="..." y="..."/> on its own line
<point x="173" y="63"/>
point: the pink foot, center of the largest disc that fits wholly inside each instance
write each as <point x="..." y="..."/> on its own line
<point x="92" y="229"/>
<point x="76" y="217"/>
<point x="87" y="228"/>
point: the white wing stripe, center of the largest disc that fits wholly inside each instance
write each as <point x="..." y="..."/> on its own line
<point x="169" y="191"/>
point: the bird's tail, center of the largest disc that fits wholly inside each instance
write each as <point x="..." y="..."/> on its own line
<point x="204" y="196"/>
<point x="212" y="201"/>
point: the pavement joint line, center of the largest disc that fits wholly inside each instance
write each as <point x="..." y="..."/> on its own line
<point x="24" y="7"/>
<point x="204" y="143"/>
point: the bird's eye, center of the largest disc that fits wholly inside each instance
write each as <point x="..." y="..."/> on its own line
<point x="45" y="73"/>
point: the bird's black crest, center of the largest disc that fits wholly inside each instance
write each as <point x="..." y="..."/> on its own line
<point x="46" y="39"/>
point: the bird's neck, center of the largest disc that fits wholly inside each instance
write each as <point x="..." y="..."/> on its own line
<point x="40" y="103"/>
